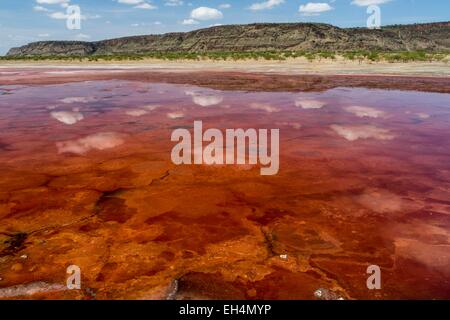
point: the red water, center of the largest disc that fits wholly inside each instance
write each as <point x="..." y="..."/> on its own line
<point x="87" y="180"/>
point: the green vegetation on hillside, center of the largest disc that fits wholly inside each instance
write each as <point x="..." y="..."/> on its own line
<point x="374" y="56"/>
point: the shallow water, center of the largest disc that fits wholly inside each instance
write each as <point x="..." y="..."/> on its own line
<point x="87" y="180"/>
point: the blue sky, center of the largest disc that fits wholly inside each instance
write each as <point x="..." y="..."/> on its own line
<point x="25" y="21"/>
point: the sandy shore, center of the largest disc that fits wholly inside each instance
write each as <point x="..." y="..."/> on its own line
<point x="290" y="67"/>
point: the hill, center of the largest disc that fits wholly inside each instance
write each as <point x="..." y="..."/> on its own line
<point x="432" y="37"/>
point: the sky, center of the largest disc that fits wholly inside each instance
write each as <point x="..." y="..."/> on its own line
<point x="24" y="21"/>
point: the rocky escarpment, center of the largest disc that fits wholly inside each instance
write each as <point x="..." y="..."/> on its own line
<point x="57" y="48"/>
<point x="258" y="37"/>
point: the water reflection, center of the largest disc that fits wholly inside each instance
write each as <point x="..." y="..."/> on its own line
<point x="176" y="115"/>
<point x="67" y="117"/>
<point x="136" y="112"/>
<point x="364" y="178"/>
<point x="264" y="106"/>
<point x="353" y="133"/>
<point x="310" y="104"/>
<point x="98" y="141"/>
<point x="204" y="100"/>
<point x="69" y="100"/>
<point x="363" y="112"/>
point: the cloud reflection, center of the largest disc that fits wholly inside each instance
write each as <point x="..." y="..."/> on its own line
<point x="363" y="112"/>
<point x="69" y="100"/>
<point x="136" y="112"/>
<point x="175" y="115"/>
<point x="151" y="107"/>
<point x="67" y="117"/>
<point x="310" y="104"/>
<point x="353" y="133"/>
<point x="380" y="201"/>
<point x="264" y="106"/>
<point x="207" y="100"/>
<point x="98" y="141"/>
<point x="204" y="100"/>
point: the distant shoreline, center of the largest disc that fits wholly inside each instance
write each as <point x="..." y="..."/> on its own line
<point x="291" y="66"/>
<point x="240" y="76"/>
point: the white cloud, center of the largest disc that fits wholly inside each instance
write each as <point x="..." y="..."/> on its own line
<point x="82" y="36"/>
<point x="52" y="1"/>
<point x="365" y="3"/>
<point x="205" y="13"/>
<point x="225" y="6"/>
<point x="63" y="16"/>
<point x="146" y="6"/>
<point x="131" y="2"/>
<point x="189" y="22"/>
<point x="58" y="15"/>
<point x="173" y="3"/>
<point x="314" y="8"/>
<point x="41" y="9"/>
<point x="269" y="4"/>
<point x="139" y="4"/>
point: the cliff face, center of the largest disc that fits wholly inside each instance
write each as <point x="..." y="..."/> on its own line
<point x="258" y="37"/>
<point x="54" y="48"/>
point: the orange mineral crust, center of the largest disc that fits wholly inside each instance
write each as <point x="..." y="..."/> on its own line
<point x="87" y="179"/>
